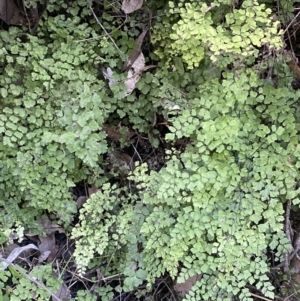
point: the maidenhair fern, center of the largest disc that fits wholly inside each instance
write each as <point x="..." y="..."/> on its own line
<point x="195" y="34"/>
<point x="216" y="207"/>
<point x="219" y="205"/>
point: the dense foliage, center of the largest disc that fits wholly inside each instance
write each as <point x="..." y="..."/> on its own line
<point x="221" y="83"/>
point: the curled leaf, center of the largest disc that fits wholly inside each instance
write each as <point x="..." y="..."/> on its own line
<point x="15" y="253"/>
<point x="108" y="74"/>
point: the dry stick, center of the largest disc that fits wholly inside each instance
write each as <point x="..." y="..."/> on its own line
<point x="260" y="297"/>
<point x="99" y="37"/>
<point x="276" y="297"/>
<point x="288" y="235"/>
<point x="40" y="285"/>
<point x="256" y="289"/>
<point x="137" y="152"/>
<point x="289" y="255"/>
<point x="287" y="221"/>
<point x="96" y="18"/>
<point x="295" y="18"/>
<point x="287" y="298"/>
<point x="172" y="293"/>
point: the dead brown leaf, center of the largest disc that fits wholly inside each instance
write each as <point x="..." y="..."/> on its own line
<point x="10" y="13"/>
<point x="129" y="6"/>
<point x="81" y="200"/>
<point x="134" y="74"/>
<point x="121" y="162"/>
<point x="183" y="288"/>
<point x="136" y="52"/>
<point x="114" y="132"/>
<point x="92" y="189"/>
<point x="49" y="227"/>
<point x="47" y="248"/>
<point x="63" y="293"/>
